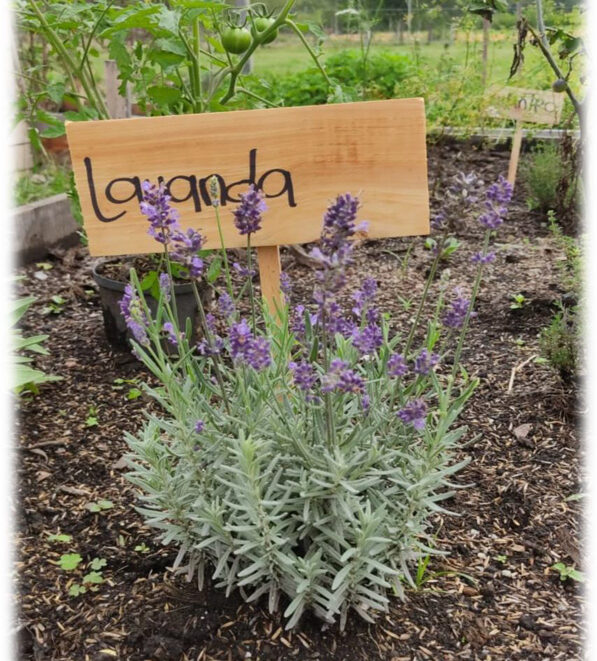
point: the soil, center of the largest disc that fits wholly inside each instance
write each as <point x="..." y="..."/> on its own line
<point x="492" y="596"/>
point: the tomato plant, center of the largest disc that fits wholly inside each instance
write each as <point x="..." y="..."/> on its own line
<point x="262" y="23"/>
<point x="236" y="40"/>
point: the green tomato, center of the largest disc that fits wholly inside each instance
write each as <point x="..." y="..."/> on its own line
<point x="236" y="40"/>
<point x="559" y="85"/>
<point x="262" y="24"/>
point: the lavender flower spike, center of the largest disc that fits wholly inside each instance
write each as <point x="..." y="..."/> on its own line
<point x="163" y="219"/>
<point x="425" y="362"/>
<point x="397" y="365"/>
<point x="134" y="315"/>
<point x="247" y="216"/>
<point x="414" y="413"/>
<point x="497" y="198"/>
<point x="456" y="314"/>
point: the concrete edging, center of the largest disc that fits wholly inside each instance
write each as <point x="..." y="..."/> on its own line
<point x="41" y="226"/>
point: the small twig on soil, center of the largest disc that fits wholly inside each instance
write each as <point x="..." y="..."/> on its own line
<point x="44" y="444"/>
<point x="516" y="369"/>
<point x="302" y="257"/>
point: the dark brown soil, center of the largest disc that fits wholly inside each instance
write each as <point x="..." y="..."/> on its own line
<point x="493" y="596"/>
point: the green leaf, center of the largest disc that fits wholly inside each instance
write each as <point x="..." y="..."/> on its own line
<point x="70" y="561"/>
<point x="105" y="504"/>
<point x="98" y="563"/>
<point x="75" y="590"/>
<point x="149" y="280"/>
<point x="133" y="393"/>
<point x="163" y="95"/>
<point x="53" y="131"/>
<point x="56" y="92"/>
<point x="93" y="577"/>
<point x="215" y="268"/>
<point x="59" y="538"/>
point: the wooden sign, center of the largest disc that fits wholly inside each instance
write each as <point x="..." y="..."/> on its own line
<point x="300" y="157"/>
<point x="526" y="105"/>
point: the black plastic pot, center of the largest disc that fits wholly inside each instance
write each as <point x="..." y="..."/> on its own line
<point x="111" y="292"/>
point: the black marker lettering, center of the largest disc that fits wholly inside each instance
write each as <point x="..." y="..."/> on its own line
<point x="137" y="192"/>
<point x="288" y="188"/>
<point x="193" y="192"/>
<point x="91" y="185"/>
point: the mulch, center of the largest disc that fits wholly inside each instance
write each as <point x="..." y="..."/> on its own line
<point x="492" y="596"/>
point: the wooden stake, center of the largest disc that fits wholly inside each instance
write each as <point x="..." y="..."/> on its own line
<point x="515" y="153"/>
<point x="268" y="258"/>
<point x="119" y="106"/>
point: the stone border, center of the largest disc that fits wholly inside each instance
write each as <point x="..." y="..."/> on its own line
<point x="40" y="226"/>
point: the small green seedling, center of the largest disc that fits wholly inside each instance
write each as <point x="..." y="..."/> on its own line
<point x="518" y="301"/>
<point x="92" y="420"/>
<point x="100" y="505"/>
<point x="70" y="561"/>
<point x="502" y="558"/>
<point x="91" y="580"/>
<point x="142" y="548"/>
<point x="55" y="306"/>
<point x="44" y="266"/>
<point x="133" y="393"/>
<point x="59" y="538"/>
<point x="567" y="572"/>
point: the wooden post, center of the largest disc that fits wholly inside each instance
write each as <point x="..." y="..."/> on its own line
<point x="268" y="258"/>
<point x="119" y="107"/>
<point x="515" y="153"/>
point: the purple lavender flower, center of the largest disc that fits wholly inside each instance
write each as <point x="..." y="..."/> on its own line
<point x="247" y="216"/>
<point x="243" y="271"/>
<point x="367" y="340"/>
<point x="240" y="335"/>
<point x="199" y="426"/>
<point x="164" y="281"/>
<point x="213" y="349"/>
<point x="366" y="402"/>
<point x="244" y="347"/>
<point x="465" y="188"/>
<point x="414" y="413"/>
<point x="297" y="322"/>
<point x="340" y="377"/>
<point x="397" y="365"/>
<point x="169" y="329"/>
<point x="226" y="305"/>
<point x="455" y="315"/>
<point x="497" y="198"/>
<point x="363" y="297"/>
<point x="480" y="258"/>
<point x="134" y="315"/>
<point x="285" y="284"/>
<point x="163" y="219"/>
<point x="304" y="378"/>
<point x="258" y="354"/>
<point x="425" y="362"/>
<point x="184" y="249"/>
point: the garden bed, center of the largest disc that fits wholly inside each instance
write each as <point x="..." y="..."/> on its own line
<point x="493" y="597"/>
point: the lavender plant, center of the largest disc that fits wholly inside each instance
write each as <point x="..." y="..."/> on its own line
<point x="300" y="457"/>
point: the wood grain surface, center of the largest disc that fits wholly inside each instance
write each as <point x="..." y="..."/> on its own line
<point x="303" y="157"/>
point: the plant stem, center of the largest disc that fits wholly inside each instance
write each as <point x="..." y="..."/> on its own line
<point x="430" y="278"/>
<point x="210" y="343"/>
<point x="470" y="307"/>
<point x="250" y="276"/>
<point x="223" y="251"/>
<point x="315" y="57"/>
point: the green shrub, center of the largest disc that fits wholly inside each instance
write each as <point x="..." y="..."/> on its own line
<point x="375" y="79"/>
<point x="541" y="172"/>
<point x="559" y="342"/>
